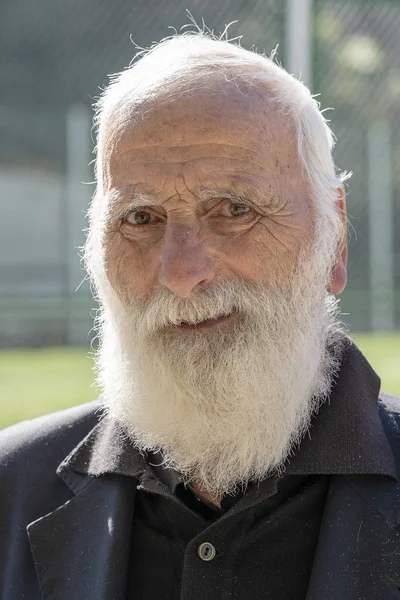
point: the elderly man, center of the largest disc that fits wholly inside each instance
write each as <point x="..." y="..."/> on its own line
<point x="242" y="449"/>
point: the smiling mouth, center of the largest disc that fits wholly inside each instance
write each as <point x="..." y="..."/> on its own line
<point x="208" y="323"/>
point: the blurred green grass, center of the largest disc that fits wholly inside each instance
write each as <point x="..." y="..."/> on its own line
<point x="36" y="382"/>
<point x="39" y="381"/>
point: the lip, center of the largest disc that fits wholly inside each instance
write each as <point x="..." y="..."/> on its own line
<point x="208" y="324"/>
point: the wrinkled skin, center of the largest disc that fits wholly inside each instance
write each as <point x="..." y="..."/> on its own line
<point x="227" y="140"/>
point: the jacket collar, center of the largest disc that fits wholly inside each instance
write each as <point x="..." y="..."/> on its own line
<point x="346" y="437"/>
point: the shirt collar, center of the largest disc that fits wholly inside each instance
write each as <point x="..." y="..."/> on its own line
<point x="345" y="437"/>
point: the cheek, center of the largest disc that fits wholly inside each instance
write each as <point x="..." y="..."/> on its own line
<point x="128" y="267"/>
<point x="268" y="250"/>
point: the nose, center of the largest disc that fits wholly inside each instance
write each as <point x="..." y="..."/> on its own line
<point x="185" y="263"/>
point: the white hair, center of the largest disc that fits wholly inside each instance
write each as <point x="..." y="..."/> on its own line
<point x="225" y="407"/>
<point x="183" y="63"/>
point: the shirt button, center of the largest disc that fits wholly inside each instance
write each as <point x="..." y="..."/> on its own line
<point x="206" y="551"/>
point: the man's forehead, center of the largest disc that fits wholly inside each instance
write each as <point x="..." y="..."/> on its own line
<point x="223" y="131"/>
<point x="213" y="105"/>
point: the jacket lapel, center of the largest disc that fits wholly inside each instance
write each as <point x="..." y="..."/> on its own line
<point x="358" y="551"/>
<point x="81" y="550"/>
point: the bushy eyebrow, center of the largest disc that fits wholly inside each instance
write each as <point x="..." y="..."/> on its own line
<point x="139" y="200"/>
<point x="230" y="194"/>
<point x="124" y="201"/>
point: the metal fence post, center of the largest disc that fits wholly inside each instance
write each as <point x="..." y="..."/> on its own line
<point x="381" y="226"/>
<point x="298" y="37"/>
<point x="78" y="172"/>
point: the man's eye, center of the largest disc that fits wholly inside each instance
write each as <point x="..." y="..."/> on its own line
<point x="237" y="210"/>
<point x="139" y="217"/>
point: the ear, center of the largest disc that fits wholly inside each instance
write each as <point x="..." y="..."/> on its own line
<point x="339" y="270"/>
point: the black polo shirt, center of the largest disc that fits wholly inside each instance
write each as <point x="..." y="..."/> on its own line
<point x="261" y="543"/>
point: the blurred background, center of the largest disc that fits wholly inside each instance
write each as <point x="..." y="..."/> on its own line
<point x="56" y="55"/>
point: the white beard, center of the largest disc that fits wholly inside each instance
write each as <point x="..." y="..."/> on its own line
<point x="225" y="406"/>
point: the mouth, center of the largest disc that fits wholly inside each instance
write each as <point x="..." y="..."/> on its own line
<point x="208" y="323"/>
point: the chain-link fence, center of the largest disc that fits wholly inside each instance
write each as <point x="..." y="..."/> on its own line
<point x="357" y="70"/>
<point x="54" y="57"/>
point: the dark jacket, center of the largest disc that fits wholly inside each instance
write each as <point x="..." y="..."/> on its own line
<point x="66" y="535"/>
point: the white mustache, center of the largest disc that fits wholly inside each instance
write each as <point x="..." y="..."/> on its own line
<point x="164" y="309"/>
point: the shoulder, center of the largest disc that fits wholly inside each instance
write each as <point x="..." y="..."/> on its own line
<point x="30" y="453"/>
<point x="389" y="411"/>
<point x="390" y="403"/>
<point x="49" y="438"/>
<point x="389" y="408"/>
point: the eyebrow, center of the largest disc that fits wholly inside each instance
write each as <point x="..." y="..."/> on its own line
<point x="231" y="193"/>
<point x="121" y="202"/>
<point x="137" y="200"/>
<point x="124" y="201"/>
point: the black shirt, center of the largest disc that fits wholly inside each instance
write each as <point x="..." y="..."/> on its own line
<point x="264" y="544"/>
<point x="261" y="545"/>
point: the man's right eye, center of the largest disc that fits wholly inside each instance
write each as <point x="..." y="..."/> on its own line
<point x="138" y="217"/>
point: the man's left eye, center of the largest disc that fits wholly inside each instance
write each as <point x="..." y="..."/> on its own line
<point x="237" y="210"/>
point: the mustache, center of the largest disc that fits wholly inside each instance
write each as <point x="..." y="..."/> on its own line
<point x="163" y="309"/>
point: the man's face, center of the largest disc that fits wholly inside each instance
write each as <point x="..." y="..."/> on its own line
<point x="213" y="342"/>
<point x="204" y="189"/>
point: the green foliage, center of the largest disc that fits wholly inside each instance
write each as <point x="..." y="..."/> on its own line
<point x="36" y="382"/>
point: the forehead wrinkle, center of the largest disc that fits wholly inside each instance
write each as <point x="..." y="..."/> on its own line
<point x="122" y="149"/>
<point x="140" y="161"/>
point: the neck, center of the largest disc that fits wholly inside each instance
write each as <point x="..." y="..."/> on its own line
<point x="214" y="499"/>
